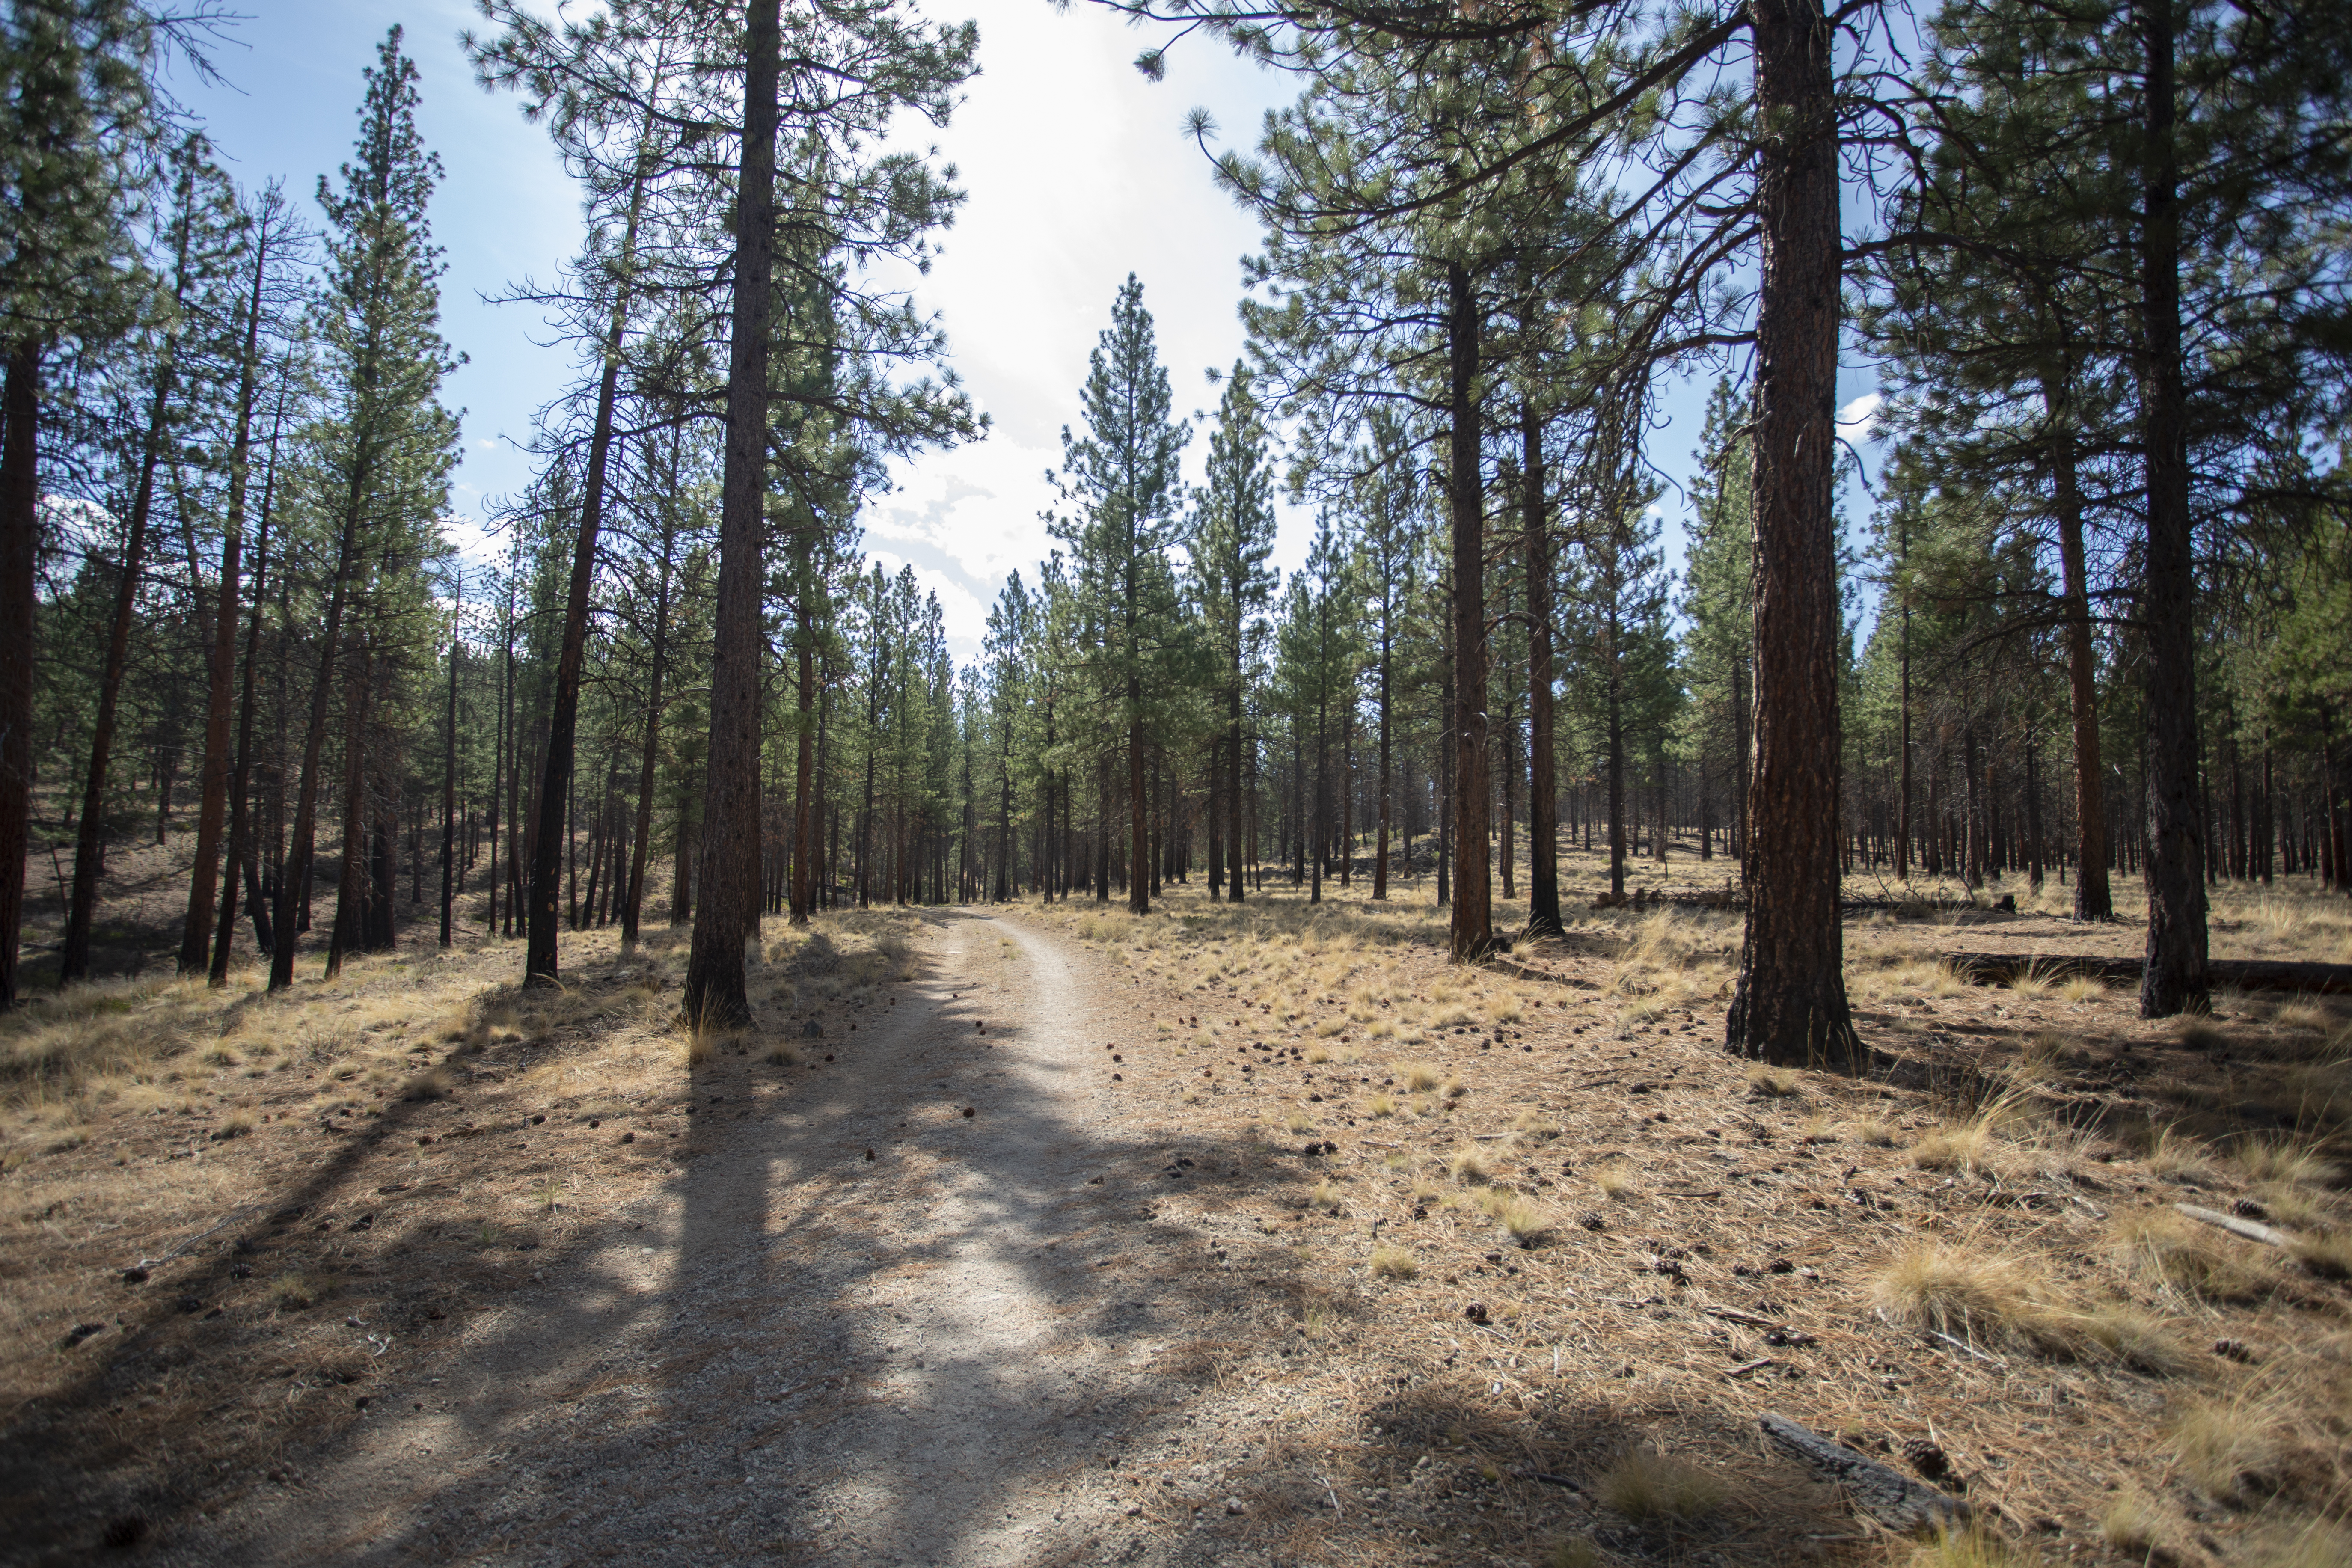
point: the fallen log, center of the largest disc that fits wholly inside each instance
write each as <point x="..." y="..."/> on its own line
<point x="1894" y="1498"/>
<point x="2247" y="974"/>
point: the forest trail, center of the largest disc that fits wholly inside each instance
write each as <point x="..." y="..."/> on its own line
<point x="801" y="1352"/>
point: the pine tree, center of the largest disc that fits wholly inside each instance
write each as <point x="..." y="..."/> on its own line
<point x="1123" y="486"/>
<point x="1233" y="535"/>
<point x="386" y="447"/>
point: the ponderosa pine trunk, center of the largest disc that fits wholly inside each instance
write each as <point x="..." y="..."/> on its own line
<point x="20" y="542"/>
<point x="241" y="834"/>
<point x="203" y="880"/>
<point x="540" y="950"/>
<point x="2173" y="979"/>
<point x="1790" y="1005"/>
<point x="633" y="906"/>
<point x="90" y="843"/>
<point x="2092" y="900"/>
<point x="1233" y="802"/>
<point x="729" y="857"/>
<point x="1472" y="923"/>
<point x="349" y="931"/>
<point x="449" y="779"/>
<point x="1543" y="787"/>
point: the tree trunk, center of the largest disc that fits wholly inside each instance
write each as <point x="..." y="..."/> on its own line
<point x="633" y="907"/>
<point x="20" y="540"/>
<point x="203" y="880"/>
<point x="2174" y="979"/>
<point x="1790" y="1006"/>
<point x="1472" y="923"/>
<point x="349" y="931"/>
<point x="89" y="845"/>
<point x="449" y="777"/>
<point x="539" y="956"/>
<point x="240" y="813"/>
<point x="730" y="816"/>
<point x="1543" y="786"/>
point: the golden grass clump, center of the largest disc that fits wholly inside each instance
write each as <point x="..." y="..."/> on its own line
<point x="2228" y="1444"/>
<point x="1767" y="1082"/>
<point x="1525" y="1223"/>
<point x="1645" y="1484"/>
<point x="2134" y="1524"/>
<point x="1960" y="1288"/>
<point x="1975" y="1545"/>
<point x="294" y="1292"/>
<point x="2286" y="1163"/>
<point x="1615" y="1180"/>
<point x="2318" y="1543"/>
<point x="1393" y="1263"/>
<point x="1468" y="1164"/>
<point x="1419" y="1076"/>
<point x="1325" y="1196"/>
<point x="1954" y="1146"/>
<point x="2171" y="1253"/>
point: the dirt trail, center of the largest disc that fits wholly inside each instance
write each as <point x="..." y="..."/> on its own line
<point x="919" y="1359"/>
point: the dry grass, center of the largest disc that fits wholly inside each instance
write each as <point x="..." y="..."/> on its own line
<point x="1393" y="1263"/>
<point x="1646" y="1485"/>
<point x="1766" y="1082"/>
<point x="1956" y="1146"/>
<point x="1975" y="1546"/>
<point x="1968" y="1291"/>
<point x="2230" y="1444"/>
<point x="2172" y="1253"/>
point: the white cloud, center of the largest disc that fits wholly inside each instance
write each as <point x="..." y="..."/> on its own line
<point x="965" y="617"/>
<point x="1858" y="420"/>
<point x="1079" y="173"/>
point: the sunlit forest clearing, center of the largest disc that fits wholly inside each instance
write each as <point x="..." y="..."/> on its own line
<point x="1374" y="972"/>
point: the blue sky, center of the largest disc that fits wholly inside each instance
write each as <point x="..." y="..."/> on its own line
<point x="1077" y="173"/>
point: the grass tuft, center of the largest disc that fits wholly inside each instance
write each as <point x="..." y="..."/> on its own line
<point x="1393" y="1263"/>
<point x="2171" y="1253"/>
<point x="2230" y="1444"/>
<point x="1767" y="1082"/>
<point x="1645" y="1484"/>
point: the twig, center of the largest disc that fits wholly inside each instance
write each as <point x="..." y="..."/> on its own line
<point x="231" y="1218"/>
<point x="2251" y="1229"/>
<point x="1964" y="1347"/>
<point x="1333" y="1493"/>
<point x="1759" y="1364"/>
<point x="1733" y="1315"/>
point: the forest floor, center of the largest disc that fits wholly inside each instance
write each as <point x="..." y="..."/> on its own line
<point x="1246" y="1235"/>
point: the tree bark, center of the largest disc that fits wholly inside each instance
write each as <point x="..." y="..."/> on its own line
<point x="20" y="538"/>
<point x="1543" y="786"/>
<point x="196" y="936"/>
<point x="1473" y="922"/>
<point x="2174" y="979"/>
<point x="91" y="842"/>
<point x="240" y="813"/>
<point x="633" y="908"/>
<point x="540" y="954"/>
<point x="449" y="778"/>
<point x="714" y="990"/>
<point x="1790" y="1005"/>
<point x="349" y="931"/>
